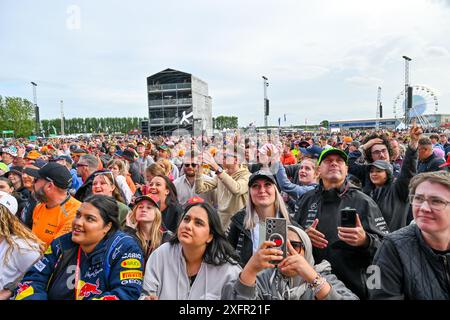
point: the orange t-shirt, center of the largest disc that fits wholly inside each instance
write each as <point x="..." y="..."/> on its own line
<point x="49" y="224"/>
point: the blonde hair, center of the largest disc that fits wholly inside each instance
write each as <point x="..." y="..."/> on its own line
<point x="250" y="212"/>
<point x="155" y="231"/>
<point x="11" y="226"/>
<point x="167" y="166"/>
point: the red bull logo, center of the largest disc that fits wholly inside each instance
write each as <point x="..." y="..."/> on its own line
<point x="107" y="298"/>
<point x="25" y="290"/>
<point x="86" y="289"/>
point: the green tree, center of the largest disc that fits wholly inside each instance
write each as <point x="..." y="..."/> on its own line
<point x="225" y="122"/>
<point x="17" y="114"/>
<point x="324" y="123"/>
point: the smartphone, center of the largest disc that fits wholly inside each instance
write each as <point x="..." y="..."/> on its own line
<point x="348" y="217"/>
<point x="276" y="231"/>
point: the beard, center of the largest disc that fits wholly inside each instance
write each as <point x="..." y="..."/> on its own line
<point x="40" y="195"/>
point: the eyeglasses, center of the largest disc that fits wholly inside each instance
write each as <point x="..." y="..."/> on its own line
<point x="81" y="165"/>
<point x="378" y="152"/>
<point x="193" y="165"/>
<point x="435" y="203"/>
<point x="297" y="245"/>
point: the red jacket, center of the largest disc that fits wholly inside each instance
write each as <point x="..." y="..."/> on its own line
<point x="288" y="158"/>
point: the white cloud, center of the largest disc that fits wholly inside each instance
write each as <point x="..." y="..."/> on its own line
<point x="320" y="56"/>
<point x="364" y="81"/>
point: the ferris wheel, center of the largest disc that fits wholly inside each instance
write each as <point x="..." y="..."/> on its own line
<point x="424" y="101"/>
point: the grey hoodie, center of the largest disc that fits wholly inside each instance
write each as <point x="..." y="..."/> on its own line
<point x="272" y="285"/>
<point x="167" y="278"/>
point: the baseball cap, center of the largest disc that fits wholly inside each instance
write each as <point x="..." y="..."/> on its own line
<point x="356" y="144"/>
<point x="128" y="155"/>
<point x="10" y="150"/>
<point x="32" y="155"/>
<point x="261" y="174"/>
<point x="14" y="169"/>
<point x="53" y="172"/>
<point x="313" y="151"/>
<point x="64" y="157"/>
<point x="325" y="153"/>
<point x="163" y="147"/>
<point x="79" y="151"/>
<point x="150" y="197"/>
<point x="383" y="165"/>
<point x="9" y="202"/>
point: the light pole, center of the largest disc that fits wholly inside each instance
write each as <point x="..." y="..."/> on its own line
<point x="36" y="108"/>
<point x="266" y="101"/>
<point x="62" y="118"/>
<point x="407" y="102"/>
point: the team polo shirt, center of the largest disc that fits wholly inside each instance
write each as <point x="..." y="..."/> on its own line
<point x="49" y="224"/>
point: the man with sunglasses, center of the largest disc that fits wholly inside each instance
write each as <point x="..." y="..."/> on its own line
<point x="53" y="215"/>
<point x="86" y="166"/>
<point x="185" y="184"/>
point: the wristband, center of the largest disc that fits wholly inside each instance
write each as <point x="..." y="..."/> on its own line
<point x="317" y="284"/>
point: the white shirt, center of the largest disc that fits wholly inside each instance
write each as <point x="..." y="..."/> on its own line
<point x="185" y="191"/>
<point x="20" y="260"/>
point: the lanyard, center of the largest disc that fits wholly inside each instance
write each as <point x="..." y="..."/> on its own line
<point x="77" y="273"/>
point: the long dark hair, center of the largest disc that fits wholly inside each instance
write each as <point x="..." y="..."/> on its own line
<point x="219" y="251"/>
<point x="172" y="197"/>
<point x="108" y="208"/>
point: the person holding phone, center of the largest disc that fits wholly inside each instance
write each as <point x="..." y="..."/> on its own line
<point x="349" y="250"/>
<point x="264" y="201"/>
<point x="296" y="277"/>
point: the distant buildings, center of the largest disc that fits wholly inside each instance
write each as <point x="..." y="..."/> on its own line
<point x="434" y="120"/>
<point x="177" y="100"/>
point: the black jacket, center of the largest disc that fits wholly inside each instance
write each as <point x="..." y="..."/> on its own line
<point x="430" y="164"/>
<point x="86" y="189"/>
<point x="349" y="263"/>
<point x="392" y="198"/>
<point x="410" y="269"/>
<point x="240" y="238"/>
<point x="362" y="171"/>
<point x="171" y="216"/>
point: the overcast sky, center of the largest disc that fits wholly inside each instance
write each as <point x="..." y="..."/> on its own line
<point x="324" y="59"/>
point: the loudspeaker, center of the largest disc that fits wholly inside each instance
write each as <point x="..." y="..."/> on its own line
<point x="410" y="97"/>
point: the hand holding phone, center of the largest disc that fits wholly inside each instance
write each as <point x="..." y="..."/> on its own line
<point x="348" y="217"/>
<point x="276" y="231"/>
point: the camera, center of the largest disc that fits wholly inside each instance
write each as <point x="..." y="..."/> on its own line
<point x="276" y="231"/>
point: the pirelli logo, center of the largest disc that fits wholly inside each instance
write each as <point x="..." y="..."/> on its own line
<point x="131" y="274"/>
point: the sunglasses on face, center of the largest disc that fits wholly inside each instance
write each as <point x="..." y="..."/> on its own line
<point x="297" y="245"/>
<point x="193" y="165"/>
